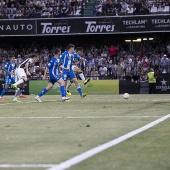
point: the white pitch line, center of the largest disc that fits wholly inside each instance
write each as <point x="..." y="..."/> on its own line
<point x="79" y="158"/>
<point x="79" y="117"/>
<point x="26" y="165"/>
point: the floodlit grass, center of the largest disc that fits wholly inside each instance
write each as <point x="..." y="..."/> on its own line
<point x="54" y="131"/>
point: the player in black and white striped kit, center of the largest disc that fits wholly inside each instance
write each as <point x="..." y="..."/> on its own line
<point x="21" y="73"/>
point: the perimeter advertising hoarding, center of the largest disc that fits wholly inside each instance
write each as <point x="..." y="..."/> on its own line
<point x="17" y="27"/>
<point x="163" y="85"/>
<point x="11" y="91"/>
<point x="78" y="26"/>
<point x="145" y="23"/>
<point x="109" y="87"/>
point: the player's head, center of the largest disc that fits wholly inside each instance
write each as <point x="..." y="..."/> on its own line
<point x="34" y="58"/>
<point x="57" y="52"/>
<point x="70" y="48"/>
<point x="79" y="50"/>
<point x="12" y="58"/>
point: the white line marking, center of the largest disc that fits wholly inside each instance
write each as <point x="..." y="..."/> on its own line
<point x="79" y="117"/>
<point x="79" y="158"/>
<point x="26" y="165"/>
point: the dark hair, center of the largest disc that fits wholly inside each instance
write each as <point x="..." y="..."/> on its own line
<point x="79" y="49"/>
<point x="56" y="51"/>
<point x="33" y="56"/>
<point x="11" y="56"/>
<point x="70" y="46"/>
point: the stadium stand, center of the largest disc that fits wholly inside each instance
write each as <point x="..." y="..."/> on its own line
<point x="13" y="9"/>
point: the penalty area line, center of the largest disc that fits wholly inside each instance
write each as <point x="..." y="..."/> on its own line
<point x="79" y="158"/>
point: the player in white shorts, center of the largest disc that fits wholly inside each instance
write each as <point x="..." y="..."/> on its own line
<point x="78" y="71"/>
<point x="21" y="75"/>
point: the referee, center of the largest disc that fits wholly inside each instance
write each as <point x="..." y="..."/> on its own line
<point x="152" y="81"/>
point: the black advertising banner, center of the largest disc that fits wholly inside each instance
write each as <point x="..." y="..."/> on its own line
<point x="17" y="27"/>
<point x="145" y="23"/>
<point x="78" y="26"/>
<point x="163" y="86"/>
<point x="11" y="91"/>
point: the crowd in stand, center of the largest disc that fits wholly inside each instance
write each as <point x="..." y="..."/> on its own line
<point x="129" y="7"/>
<point x="104" y="62"/>
<point x="13" y="9"/>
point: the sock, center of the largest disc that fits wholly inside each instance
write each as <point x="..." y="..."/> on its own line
<point x="68" y="85"/>
<point x="20" y="92"/>
<point x="42" y="92"/>
<point x="82" y="76"/>
<point x="17" y="92"/>
<point x="79" y="90"/>
<point x="63" y="92"/>
<point x="3" y="92"/>
<point x="19" y="82"/>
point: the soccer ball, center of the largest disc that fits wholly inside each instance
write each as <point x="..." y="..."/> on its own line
<point x="126" y="96"/>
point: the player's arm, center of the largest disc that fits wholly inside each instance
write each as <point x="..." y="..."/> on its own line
<point x="80" y="58"/>
<point x="45" y="73"/>
<point x="7" y="71"/>
<point x="62" y="67"/>
<point x="26" y="68"/>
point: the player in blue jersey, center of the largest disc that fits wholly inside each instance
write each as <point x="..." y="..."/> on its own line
<point x="78" y="71"/>
<point x="67" y="59"/>
<point x="9" y="75"/>
<point x="53" y="68"/>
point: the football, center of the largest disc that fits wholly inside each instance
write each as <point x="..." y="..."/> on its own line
<point x="126" y="96"/>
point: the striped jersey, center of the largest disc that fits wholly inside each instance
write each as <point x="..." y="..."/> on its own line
<point x="67" y="59"/>
<point x="29" y="61"/>
<point x="53" y="66"/>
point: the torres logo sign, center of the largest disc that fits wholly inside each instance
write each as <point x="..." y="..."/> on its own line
<point x="104" y="26"/>
<point x="49" y="28"/>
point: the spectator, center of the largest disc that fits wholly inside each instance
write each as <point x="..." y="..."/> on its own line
<point x="63" y="12"/>
<point x="119" y="71"/>
<point x="112" y="51"/>
<point x="117" y="8"/>
<point x="109" y="68"/>
<point x="128" y="72"/>
<point x="11" y="16"/>
<point x="103" y="72"/>
<point x="164" y="64"/>
<point x="136" y="73"/>
<point x="94" y="74"/>
<point x="124" y="7"/>
<point x="98" y="10"/>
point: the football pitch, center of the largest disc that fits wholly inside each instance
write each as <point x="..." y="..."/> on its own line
<point x="57" y="135"/>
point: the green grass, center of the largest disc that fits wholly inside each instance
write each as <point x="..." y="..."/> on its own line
<point x="54" y="140"/>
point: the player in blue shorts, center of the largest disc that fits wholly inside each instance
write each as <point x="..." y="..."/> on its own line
<point x="67" y="59"/>
<point x="9" y="75"/>
<point x="53" y="67"/>
<point x="78" y="71"/>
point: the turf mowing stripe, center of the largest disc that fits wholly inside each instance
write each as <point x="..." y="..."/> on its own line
<point x="79" y="158"/>
<point x="80" y="117"/>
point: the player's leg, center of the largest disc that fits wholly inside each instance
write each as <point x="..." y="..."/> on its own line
<point x="78" y="87"/>
<point x="68" y="87"/>
<point x="3" y="91"/>
<point x="81" y="75"/>
<point x="44" y="91"/>
<point x="21" y="76"/>
<point x="62" y="89"/>
<point x="7" y="83"/>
